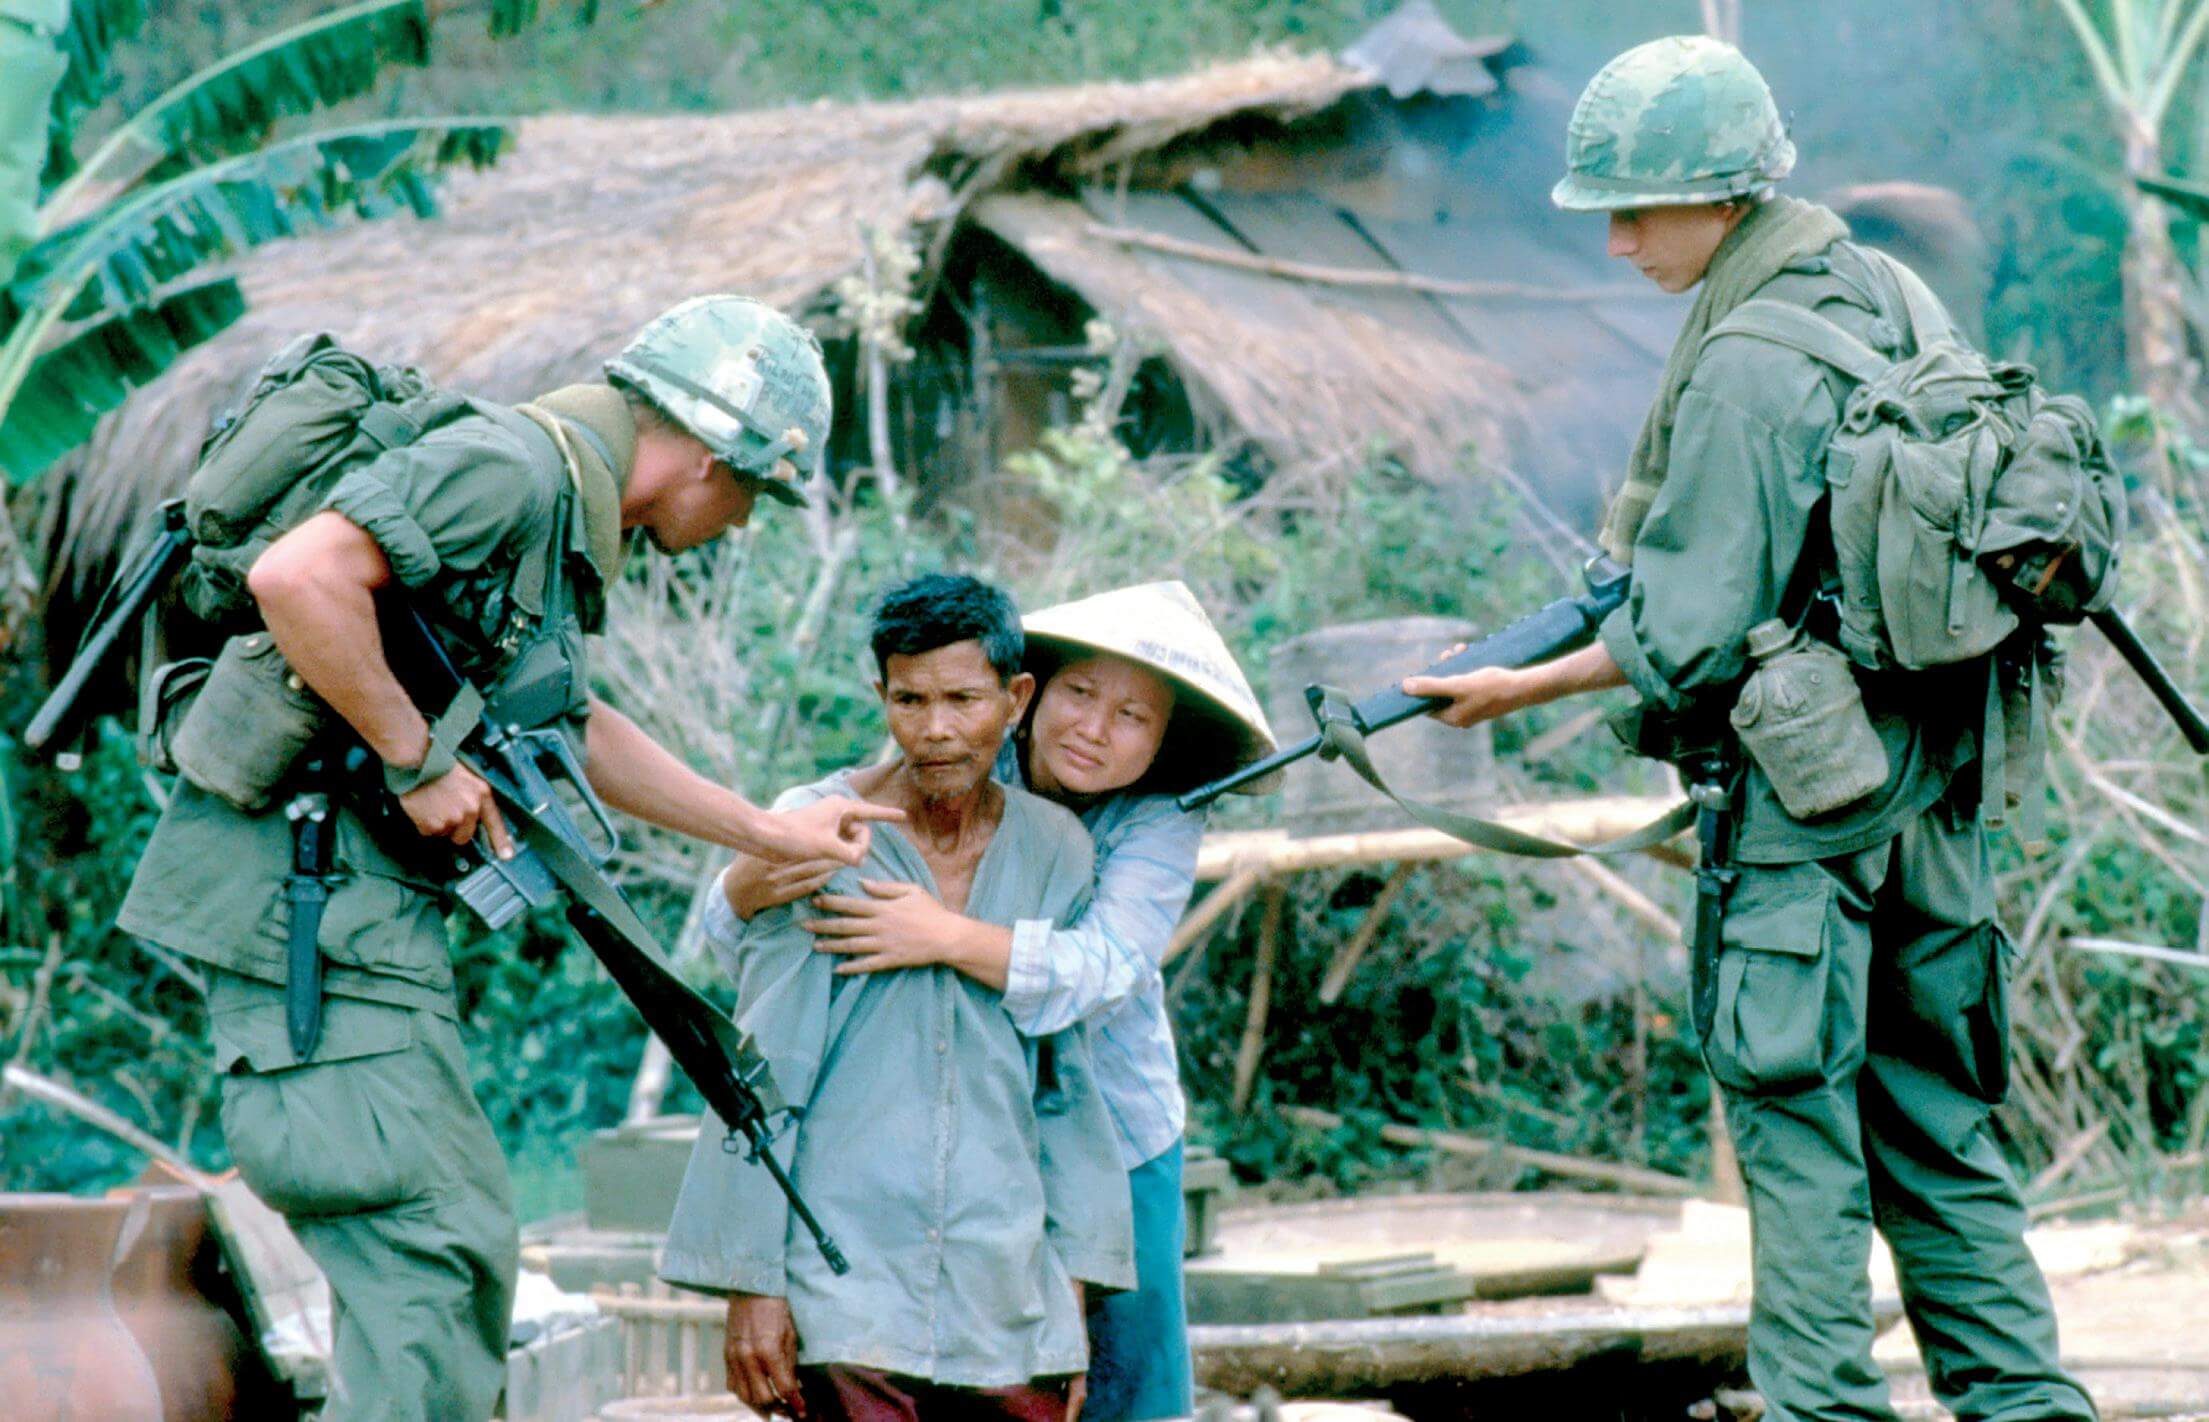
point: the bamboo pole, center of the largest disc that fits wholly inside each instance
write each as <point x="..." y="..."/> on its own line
<point x="1631" y="1177"/>
<point x="1638" y="905"/>
<point x="1273" y="852"/>
<point x="1207" y="913"/>
<point x="1351" y="953"/>
<point x="1261" y="997"/>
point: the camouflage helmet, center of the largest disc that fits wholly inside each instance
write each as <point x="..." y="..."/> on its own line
<point x="741" y="376"/>
<point x="1674" y="121"/>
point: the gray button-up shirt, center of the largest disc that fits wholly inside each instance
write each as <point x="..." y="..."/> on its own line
<point x="970" y="1173"/>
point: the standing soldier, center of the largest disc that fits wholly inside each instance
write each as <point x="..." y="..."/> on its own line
<point x="505" y="528"/>
<point x="1852" y="1005"/>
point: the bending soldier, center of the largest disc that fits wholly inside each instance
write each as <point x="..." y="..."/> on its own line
<point x="372" y="1145"/>
<point x="1851" y="1007"/>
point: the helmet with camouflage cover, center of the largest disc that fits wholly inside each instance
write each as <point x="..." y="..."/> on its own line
<point x="1679" y="120"/>
<point x="741" y="376"/>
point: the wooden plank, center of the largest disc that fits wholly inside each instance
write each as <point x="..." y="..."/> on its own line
<point x="1253" y="1044"/>
<point x="1355" y="1357"/>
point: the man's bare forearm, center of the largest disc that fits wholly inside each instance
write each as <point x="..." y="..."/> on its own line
<point x="317" y="599"/>
<point x="638" y="776"/>
<point x="1592" y="668"/>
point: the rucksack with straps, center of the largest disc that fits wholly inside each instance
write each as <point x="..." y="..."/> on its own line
<point x="315" y="412"/>
<point x="1969" y="510"/>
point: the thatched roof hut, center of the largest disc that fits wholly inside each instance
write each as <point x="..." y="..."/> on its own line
<point x="1323" y="258"/>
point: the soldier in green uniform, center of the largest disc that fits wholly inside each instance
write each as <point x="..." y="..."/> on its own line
<point x="507" y="525"/>
<point x="1852" y="1009"/>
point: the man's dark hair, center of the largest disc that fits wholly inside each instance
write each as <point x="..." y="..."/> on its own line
<point x="942" y="609"/>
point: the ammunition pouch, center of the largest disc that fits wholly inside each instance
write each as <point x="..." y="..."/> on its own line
<point x="248" y="724"/>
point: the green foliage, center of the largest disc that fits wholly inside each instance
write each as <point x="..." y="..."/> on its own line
<point x="232" y="107"/>
<point x="1453" y="1022"/>
<point x="96" y="29"/>
<point x="194" y="178"/>
<point x="74" y="384"/>
<point x="81" y="1002"/>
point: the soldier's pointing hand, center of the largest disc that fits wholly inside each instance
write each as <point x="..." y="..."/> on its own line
<point x="837" y="829"/>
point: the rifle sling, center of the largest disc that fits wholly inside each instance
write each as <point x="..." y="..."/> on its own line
<point x="1339" y="733"/>
<point x="701" y="1038"/>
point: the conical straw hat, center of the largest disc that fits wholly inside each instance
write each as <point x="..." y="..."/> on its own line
<point x="1160" y="626"/>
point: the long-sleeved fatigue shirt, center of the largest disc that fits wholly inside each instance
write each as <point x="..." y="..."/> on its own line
<point x="968" y="1171"/>
<point x="1721" y="543"/>
<point x="458" y="513"/>
<point x="1104" y="969"/>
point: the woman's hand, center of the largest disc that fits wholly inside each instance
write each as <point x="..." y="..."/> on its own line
<point x="753" y="886"/>
<point x="895" y="926"/>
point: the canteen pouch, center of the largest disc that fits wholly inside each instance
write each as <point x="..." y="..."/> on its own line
<point x="1801" y="718"/>
<point x="249" y="723"/>
<point x="164" y="701"/>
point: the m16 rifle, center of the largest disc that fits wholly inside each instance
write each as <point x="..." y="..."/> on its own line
<point x="554" y="858"/>
<point x="1562" y="626"/>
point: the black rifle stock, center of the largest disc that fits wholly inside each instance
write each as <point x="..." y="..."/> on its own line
<point x="1550" y="631"/>
<point x="553" y="858"/>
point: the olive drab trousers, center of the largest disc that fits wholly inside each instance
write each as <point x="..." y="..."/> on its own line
<point x="1860" y="1032"/>
<point x="377" y="1155"/>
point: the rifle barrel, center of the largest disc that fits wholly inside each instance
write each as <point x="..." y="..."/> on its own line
<point x="2136" y="654"/>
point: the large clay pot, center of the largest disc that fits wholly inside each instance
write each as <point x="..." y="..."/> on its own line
<point x="64" y="1352"/>
<point x="169" y="1259"/>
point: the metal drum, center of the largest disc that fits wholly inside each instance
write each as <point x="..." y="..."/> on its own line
<point x="1423" y="759"/>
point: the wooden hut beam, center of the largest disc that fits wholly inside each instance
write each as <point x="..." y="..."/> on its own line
<point x="1390" y="280"/>
<point x="1272" y="853"/>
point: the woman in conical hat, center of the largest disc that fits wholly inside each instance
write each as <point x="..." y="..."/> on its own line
<point x="1137" y="700"/>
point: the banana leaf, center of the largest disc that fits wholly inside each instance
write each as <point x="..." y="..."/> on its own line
<point x="511" y="17"/>
<point x="230" y="107"/>
<point x="156" y="235"/>
<point x="95" y="28"/>
<point x="2191" y="200"/>
<point x="73" y="385"/>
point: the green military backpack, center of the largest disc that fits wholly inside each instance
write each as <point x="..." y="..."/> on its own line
<point x="1969" y="509"/>
<point x="1966" y="502"/>
<point x="315" y="411"/>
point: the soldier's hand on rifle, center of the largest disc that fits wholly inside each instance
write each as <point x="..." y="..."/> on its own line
<point x="760" y="1351"/>
<point x="455" y="806"/>
<point x="836" y="829"/>
<point x="752" y="885"/>
<point x="1475" y="696"/>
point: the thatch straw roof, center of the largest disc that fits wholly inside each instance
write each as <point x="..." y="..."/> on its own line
<point x="544" y="265"/>
<point x="1304" y="376"/>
